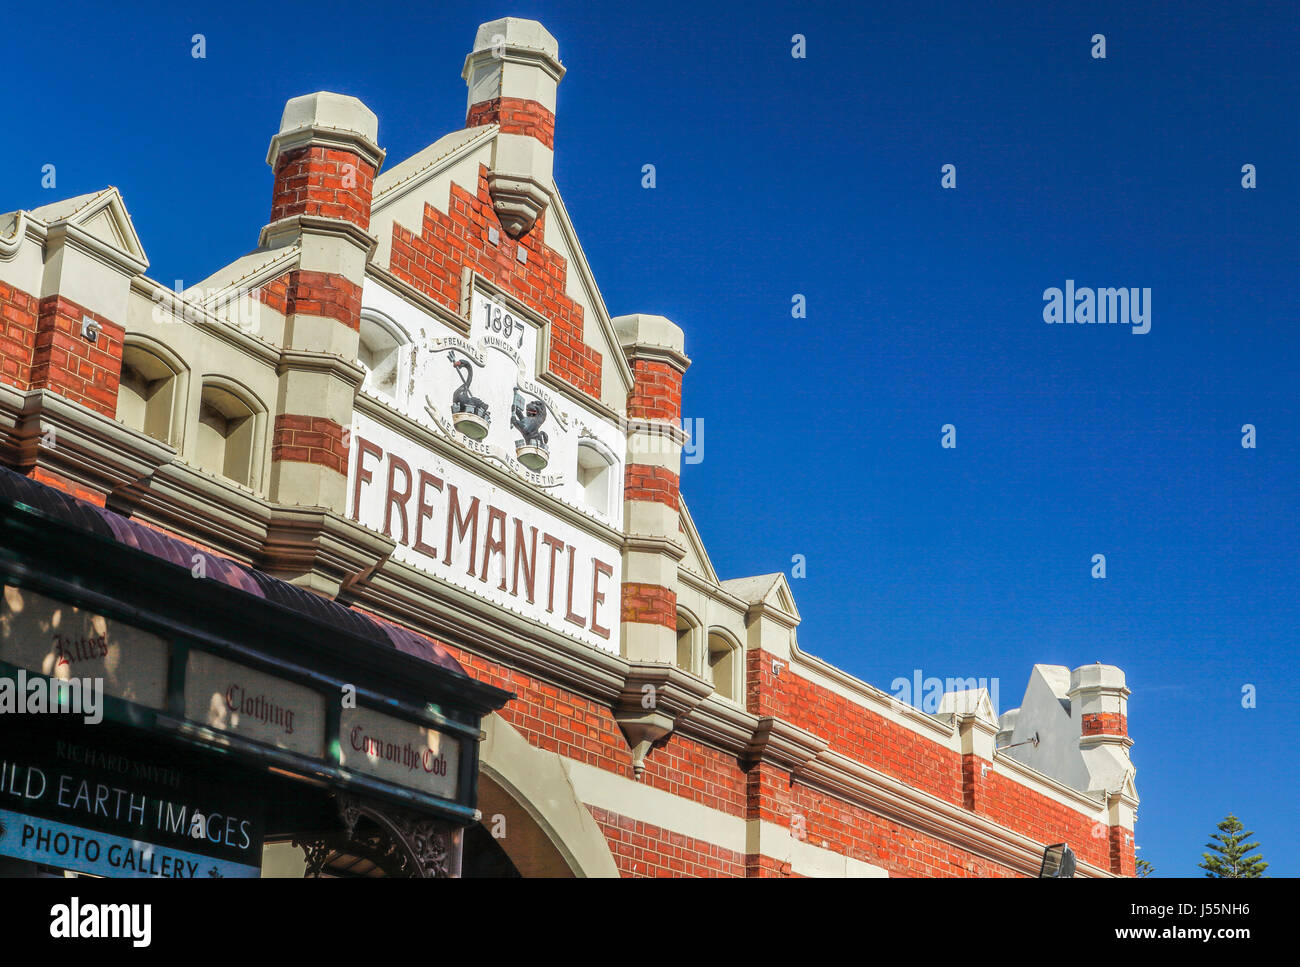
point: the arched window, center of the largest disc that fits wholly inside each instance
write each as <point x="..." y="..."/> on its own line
<point x="379" y="351"/>
<point x="147" y="393"/>
<point x="724" y="667"/>
<point x="595" y="477"/>
<point x="227" y="434"/>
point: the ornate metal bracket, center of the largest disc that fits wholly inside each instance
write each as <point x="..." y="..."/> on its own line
<point x="408" y="843"/>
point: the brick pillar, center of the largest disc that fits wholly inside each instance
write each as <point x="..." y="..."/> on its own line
<point x="775" y="823"/>
<point x="325" y="158"/>
<point x="767" y="801"/>
<point x="978" y="731"/>
<point x="78" y="366"/>
<point x="1099" y="697"/>
<point x="653" y="546"/>
<point x="65" y="283"/>
<point x="73" y="344"/>
<point x="512" y="74"/>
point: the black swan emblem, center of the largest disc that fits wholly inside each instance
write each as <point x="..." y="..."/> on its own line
<point x="463" y="401"/>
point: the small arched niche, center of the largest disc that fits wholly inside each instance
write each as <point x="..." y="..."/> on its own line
<point x="380" y="352"/>
<point x="227" y="435"/>
<point x="147" y="392"/>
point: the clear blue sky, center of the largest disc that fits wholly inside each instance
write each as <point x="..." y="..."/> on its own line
<point x="821" y="176"/>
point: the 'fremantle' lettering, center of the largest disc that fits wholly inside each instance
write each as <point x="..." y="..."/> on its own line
<point x="453" y="524"/>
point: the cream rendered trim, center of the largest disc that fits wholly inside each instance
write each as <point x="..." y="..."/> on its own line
<point x="206" y="507"/>
<point x="410" y="293"/>
<point x="90" y="448"/>
<point x="871" y="698"/>
<point x="892" y="799"/>
<point x="269" y="271"/>
<point x="323" y="135"/>
<point x="644" y="803"/>
<point x="180" y="373"/>
<point x="202" y="319"/>
<point x="260" y="469"/>
<point x="22" y="223"/>
<point x="805" y="858"/>
<point x="720" y="724"/>
<point x="711" y="591"/>
<point x="588" y="278"/>
<point x="538" y="781"/>
<point x="93" y="247"/>
<point x="385" y="196"/>
<point x="737" y="650"/>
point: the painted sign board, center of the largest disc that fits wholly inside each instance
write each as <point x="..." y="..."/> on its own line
<point x="400" y="752"/>
<point x="483" y="538"/>
<point x="65" y="642"/>
<point x="534" y="539"/>
<point x="94" y="801"/>
<point x="233" y="698"/>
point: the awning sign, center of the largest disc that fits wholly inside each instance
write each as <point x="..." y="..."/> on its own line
<point x="88" y="851"/>
<point x="233" y="698"/>
<point x="66" y="642"/>
<point x="401" y="752"/>
<point x="105" y="805"/>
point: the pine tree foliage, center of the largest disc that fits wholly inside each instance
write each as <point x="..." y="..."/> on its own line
<point x="1230" y="856"/>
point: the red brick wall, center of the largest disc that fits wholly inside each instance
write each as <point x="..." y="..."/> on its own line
<point x="643" y="482"/>
<point x="309" y="439"/>
<point x="1044" y="820"/>
<point x="922" y="763"/>
<point x="645" y="850"/>
<point x="18" y="312"/>
<point x="315" y="294"/>
<point x="516" y="115"/>
<point x="1104" y="723"/>
<point x="315" y="180"/>
<point x="699" y="773"/>
<point x="432" y="261"/>
<point x="69" y="364"/>
<point x="852" y="730"/>
<point x="656" y="393"/>
<point x="649" y="604"/>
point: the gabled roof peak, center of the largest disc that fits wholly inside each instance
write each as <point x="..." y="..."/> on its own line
<point x="770" y="589"/>
<point x="101" y="214"/>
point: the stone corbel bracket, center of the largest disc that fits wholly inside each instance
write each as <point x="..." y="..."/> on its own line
<point x="518" y="199"/>
<point x="654" y="697"/>
<point x="784" y="745"/>
<point x="322" y="550"/>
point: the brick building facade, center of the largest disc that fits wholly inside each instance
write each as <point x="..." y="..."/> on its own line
<point x="411" y="400"/>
